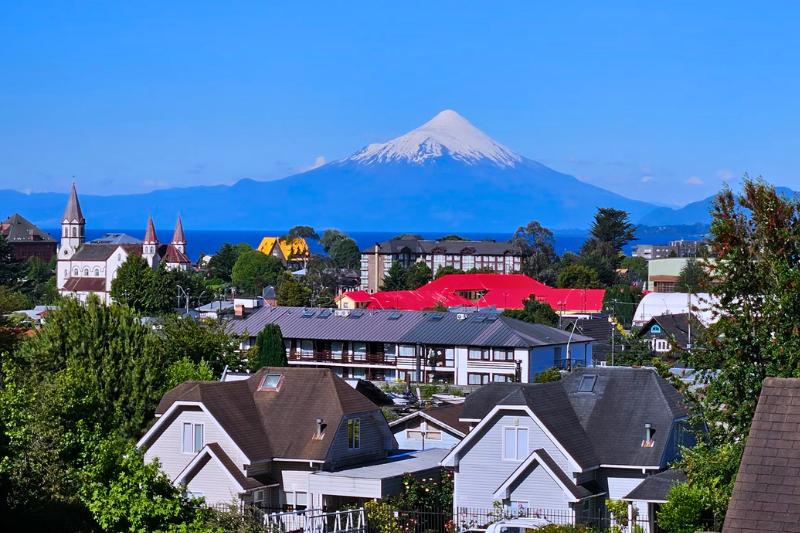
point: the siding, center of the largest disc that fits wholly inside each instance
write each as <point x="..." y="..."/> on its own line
<point x="620" y="482"/>
<point x="214" y="483"/>
<point x="481" y="469"/>
<point x="376" y="439"/>
<point x="168" y="446"/>
<point x="448" y="439"/>
<point x="540" y="491"/>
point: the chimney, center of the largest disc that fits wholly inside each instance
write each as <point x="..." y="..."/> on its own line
<point x="648" y="436"/>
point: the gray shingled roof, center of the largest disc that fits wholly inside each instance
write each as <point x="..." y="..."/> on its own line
<point x="17" y="228"/>
<point x="423" y="246"/>
<point x="73" y="213"/>
<point x="101" y="252"/>
<point x="767" y="487"/>
<point x="655" y="488"/>
<point x="410" y="327"/>
<point x="604" y="426"/>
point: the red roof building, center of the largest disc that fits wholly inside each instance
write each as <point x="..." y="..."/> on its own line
<point x="503" y="291"/>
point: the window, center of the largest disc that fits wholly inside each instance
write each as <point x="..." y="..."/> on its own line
<point x="478" y="354"/>
<point x="75" y="272"/>
<point x="477" y="379"/>
<point x="502" y="378"/>
<point x="655" y="328"/>
<point x="336" y="348"/>
<point x="96" y="272"/>
<point x="557" y="361"/>
<point x="354" y="433"/>
<point x="515" y="443"/>
<point x="296" y="501"/>
<point x="307" y="348"/>
<point x="503" y="354"/>
<point x="270" y="382"/>
<point x="449" y="356"/>
<point x="661" y="345"/>
<point x="406" y="350"/>
<point x="359" y="350"/>
<point x="192" y="437"/>
<point x="587" y="383"/>
<point x="389" y="351"/>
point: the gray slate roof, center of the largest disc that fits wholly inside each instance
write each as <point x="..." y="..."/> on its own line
<point x="422" y="246"/>
<point x="655" y="488"/>
<point x="605" y="426"/>
<point x="115" y="238"/>
<point x="17" y="228"/>
<point x="101" y="252"/>
<point x="403" y="327"/>
<point x="73" y="213"/>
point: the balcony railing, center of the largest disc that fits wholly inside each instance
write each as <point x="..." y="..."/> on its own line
<point x="326" y="356"/>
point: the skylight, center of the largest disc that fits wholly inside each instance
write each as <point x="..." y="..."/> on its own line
<point x="357" y="314"/>
<point x="587" y="383"/>
<point x="394" y="315"/>
<point x="325" y="313"/>
<point x="271" y="382"/>
<point x="308" y="313"/>
<point x="437" y="316"/>
<point x="478" y="318"/>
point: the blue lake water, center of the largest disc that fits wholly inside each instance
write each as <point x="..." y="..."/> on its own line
<point x="205" y="241"/>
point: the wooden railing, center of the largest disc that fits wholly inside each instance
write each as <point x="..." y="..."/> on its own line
<point x="326" y="356"/>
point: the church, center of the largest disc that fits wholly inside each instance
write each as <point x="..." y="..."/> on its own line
<point x="86" y="268"/>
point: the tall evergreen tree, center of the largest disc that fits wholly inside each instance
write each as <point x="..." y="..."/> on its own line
<point x="395" y="278"/>
<point x="269" y="349"/>
<point x="418" y="275"/>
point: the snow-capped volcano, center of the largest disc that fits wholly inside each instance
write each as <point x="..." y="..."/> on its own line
<point x="446" y="134"/>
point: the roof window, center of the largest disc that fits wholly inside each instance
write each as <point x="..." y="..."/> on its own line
<point x="325" y="313"/>
<point x="587" y="383"/>
<point x="437" y="316"/>
<point x="308" y="313"/>
<point x="357" y="313"/>
<point x="394" y="315"/>
<point x="271" y="382"/>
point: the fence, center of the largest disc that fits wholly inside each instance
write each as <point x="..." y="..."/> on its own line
<point x="306" y="521"/>
<point x="469" y="519"/>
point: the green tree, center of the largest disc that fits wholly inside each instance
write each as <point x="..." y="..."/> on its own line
<point x="302" y="232"/>
<point x="620" y="301"/>
<point x="187" y="370"/>
<point x="269" y="350"/>
<point x="292" y="292"/>
<point x="395" y="278"/>
<point x="9" y="270"/>
<point x="452" y="237"/>
<point x="535" y="312"/>
<point x="445" y="270"/>
<point x="613" y="226"/>
<point x="132" y="284"/>
<point x="345" y="253"/>
<point x="536" y="244"/>
<point x="418" y="275"/>
<point x="220" y="266"/>
<point x="331" y="237"/>
<point x="253" y="271"/>
<point x="11" y="300"/>
<point x="578" y="277"/>
<point x="199" y="341"/>
<point x="637" y="269"/>
<point x="692" y="278"/>
<point x="684" y="510"/>
<point x="546" y="376"/>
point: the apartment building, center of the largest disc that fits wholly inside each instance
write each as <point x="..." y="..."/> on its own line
<point x="418" y="346"/>
<point x="500" y="257"/>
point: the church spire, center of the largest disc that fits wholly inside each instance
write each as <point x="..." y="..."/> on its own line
<point x="150" y="236"/>
<point x="73" y="213"/>
<point x="178" y="237"/>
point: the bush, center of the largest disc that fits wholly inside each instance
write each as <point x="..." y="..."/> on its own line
<point x="683" y="512"/>
<point x="380" y="517"/>
<point x="546" y="376"/>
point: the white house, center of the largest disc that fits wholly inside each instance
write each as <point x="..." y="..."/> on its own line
<point x="283" y="439"/>
<point x="560" y="449"/>
<point x="438" y="427"/>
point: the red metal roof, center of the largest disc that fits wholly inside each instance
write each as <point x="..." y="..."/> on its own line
<point x="85" y="284"/>
<point x="504" y="291"/>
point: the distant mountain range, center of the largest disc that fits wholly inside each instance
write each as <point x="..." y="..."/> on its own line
<point x="445" y="175"/>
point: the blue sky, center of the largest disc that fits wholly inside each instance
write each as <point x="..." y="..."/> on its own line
<point x="658" y="101"/>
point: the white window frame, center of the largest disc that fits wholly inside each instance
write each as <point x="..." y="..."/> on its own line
<point x="193" y="426"/>
<point x="517" y="457"/>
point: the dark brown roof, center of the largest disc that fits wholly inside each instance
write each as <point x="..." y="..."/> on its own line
<point x="450" y="414"/>
<point x="767" y="488"/>
<point x="172" y="255"/>
<point x="268" y="425"/>
<point x="17" y="228"/>
<point x="85" y="285"/>
<point x="73" y="213"/>
<point x="248" y="483"/>
<point x="150" y="236"/>
<point x="178" y="237"/>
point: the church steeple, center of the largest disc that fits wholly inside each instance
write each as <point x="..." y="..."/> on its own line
<point x="73" y="226"/>
<point x="178" y="237"/>
<point x="150" y="244"/>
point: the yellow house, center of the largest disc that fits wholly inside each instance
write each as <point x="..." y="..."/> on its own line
<point x="287" y="250"/>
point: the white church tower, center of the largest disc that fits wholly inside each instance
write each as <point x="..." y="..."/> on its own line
<point x="73" y="227"/>
<point x="150" y="244"/>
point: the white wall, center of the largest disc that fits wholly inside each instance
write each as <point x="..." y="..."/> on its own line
<point x="214" y="483"/>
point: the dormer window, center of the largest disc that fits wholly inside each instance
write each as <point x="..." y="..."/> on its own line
<point x="587" y="383"/>
<point x="271" y="382"/>
<point x="655" y="328"/>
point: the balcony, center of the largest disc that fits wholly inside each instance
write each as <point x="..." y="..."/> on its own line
<point x="326" y="356"/>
